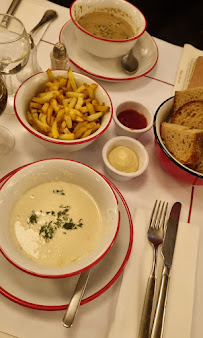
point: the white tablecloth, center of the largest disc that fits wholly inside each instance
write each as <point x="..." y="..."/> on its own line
<point x="95" y="318"/>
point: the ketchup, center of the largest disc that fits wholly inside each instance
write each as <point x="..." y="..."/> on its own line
<point x="132" y="119"/>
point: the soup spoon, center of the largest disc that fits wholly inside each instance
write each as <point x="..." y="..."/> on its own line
<point x="129" y="62"/>
<point x="76" y="299"/>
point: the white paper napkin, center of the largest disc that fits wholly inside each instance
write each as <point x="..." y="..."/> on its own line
<point x="5" y="335"/>
<point x="181" y="288"/>
<point x="30" y="13"/>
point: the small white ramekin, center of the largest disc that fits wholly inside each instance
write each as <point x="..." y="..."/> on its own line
<point x="122" y="130"/>
<point x="131" y="143"/>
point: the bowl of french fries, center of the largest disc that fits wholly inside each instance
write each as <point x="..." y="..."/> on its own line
<point x="66" y="111"/>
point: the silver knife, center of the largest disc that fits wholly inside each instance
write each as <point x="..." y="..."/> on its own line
<point x="167" y="253"/>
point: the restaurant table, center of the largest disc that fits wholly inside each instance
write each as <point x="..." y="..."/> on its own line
<point x="94" y="318"/>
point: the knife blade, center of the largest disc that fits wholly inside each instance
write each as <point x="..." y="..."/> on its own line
<point x="167" y="253"/>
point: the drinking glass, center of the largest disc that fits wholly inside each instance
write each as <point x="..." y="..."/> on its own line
<point x="14" y="50"/>
<point x="6" y="138"/>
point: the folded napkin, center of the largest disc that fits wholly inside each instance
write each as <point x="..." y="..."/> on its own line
<point x="30" y="13"/>
<point x="132" y="292"/>
<point x="186" y="66"/>
<point x="5" y="335"/>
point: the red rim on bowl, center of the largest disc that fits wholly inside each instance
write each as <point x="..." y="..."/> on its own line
<point x="101" y="290"/>
<point x="7" y="178"/>
<point x="56" y="141"/>
<point x="100" y="38"/>
<point x="169" y="163"/>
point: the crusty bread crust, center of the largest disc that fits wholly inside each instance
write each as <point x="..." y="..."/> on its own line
<point x="185" y="96"/>
<point x="184" y="144"/>
<point x="189" y="115"/>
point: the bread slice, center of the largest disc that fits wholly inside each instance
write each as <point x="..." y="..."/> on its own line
<point x="185" y="96"/>
<point x="189" y="115"/>
<point x="199" y="167"/>
<point x="185" y="144"/>
<point x="197" y="75"/>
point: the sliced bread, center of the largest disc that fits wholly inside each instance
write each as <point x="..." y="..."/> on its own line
<point x="199" y="167"/>
<point x="184" y="96"/>
<point x="189" y="115"/>
<point x="184" y="144"/>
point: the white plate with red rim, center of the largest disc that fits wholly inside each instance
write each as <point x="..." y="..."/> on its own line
<point x="145" y="50"/>
<point x="52" y="294"/>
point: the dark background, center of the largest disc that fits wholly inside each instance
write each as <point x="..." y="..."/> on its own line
<point x="174" y="21"/>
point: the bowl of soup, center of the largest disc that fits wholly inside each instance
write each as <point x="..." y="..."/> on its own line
<point x="59" y="218"/>
<point x="107" y="28"/>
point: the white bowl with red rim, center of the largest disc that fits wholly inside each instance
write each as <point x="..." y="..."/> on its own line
<point x="36" y="84"/>
<point x="135" y="114"/>
<point x="102" y="47"/>
<point x="70" y="171"/>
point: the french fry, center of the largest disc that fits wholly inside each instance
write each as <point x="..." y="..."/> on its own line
<point x="55" y="105"/>
<point x="50" y="75"/>
<point x="35" y="105"/>
<point x="45" y="107"/>
<point x="72" y="102"/>
<point x="49" y="114"/>
<point x="79" y="103"/>
<point x="43" y="99"/>
<point x="94" y="117"/>
<point x="70" y="136"/>
<point x="74" y="94"/>
<point x="54" y="130"/>
<point x="104" y="109"/>
<point x="68" y="121"/>
<point x="90" y="108"/>
<point x="43" y="126"/>
<point x="72" y="80"/>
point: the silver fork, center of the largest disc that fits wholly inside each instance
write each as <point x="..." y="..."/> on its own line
<point x="155" y="236"/>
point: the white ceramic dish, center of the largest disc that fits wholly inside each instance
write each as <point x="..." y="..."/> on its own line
<point x="145" y="51"/>
<point x="100" y="46"/>
<point x="34" y="85"/>
<point x="136" y="146"/>
<point x="51" y="295"/>
<point x="69" y="171"/>
<point x="122" y="130"/>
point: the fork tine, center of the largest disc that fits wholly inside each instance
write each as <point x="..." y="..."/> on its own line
<point x="158" y="221"/>
<point x="164" y="215"/>
<point x="152" y="214"/>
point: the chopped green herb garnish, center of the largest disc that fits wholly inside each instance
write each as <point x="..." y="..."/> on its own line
<point x="33" y="218"/>
<point x="47" y="231"/>
<point x="59" y="192"/>
<point x="61" y="219"/>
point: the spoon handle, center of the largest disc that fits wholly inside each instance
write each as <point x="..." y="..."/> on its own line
<point x="76" y="299"/>
<point x="14" y="4"/>
<point x="48" y="15"/>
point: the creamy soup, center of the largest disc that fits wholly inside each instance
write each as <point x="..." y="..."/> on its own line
<point x="56" y="223"/>
<point x="106" y="25"/>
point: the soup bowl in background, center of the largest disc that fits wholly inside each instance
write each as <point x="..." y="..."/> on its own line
<point x="63" y="170"/>
<point x="103" y="47"/>
<point x="168" y="162"/>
